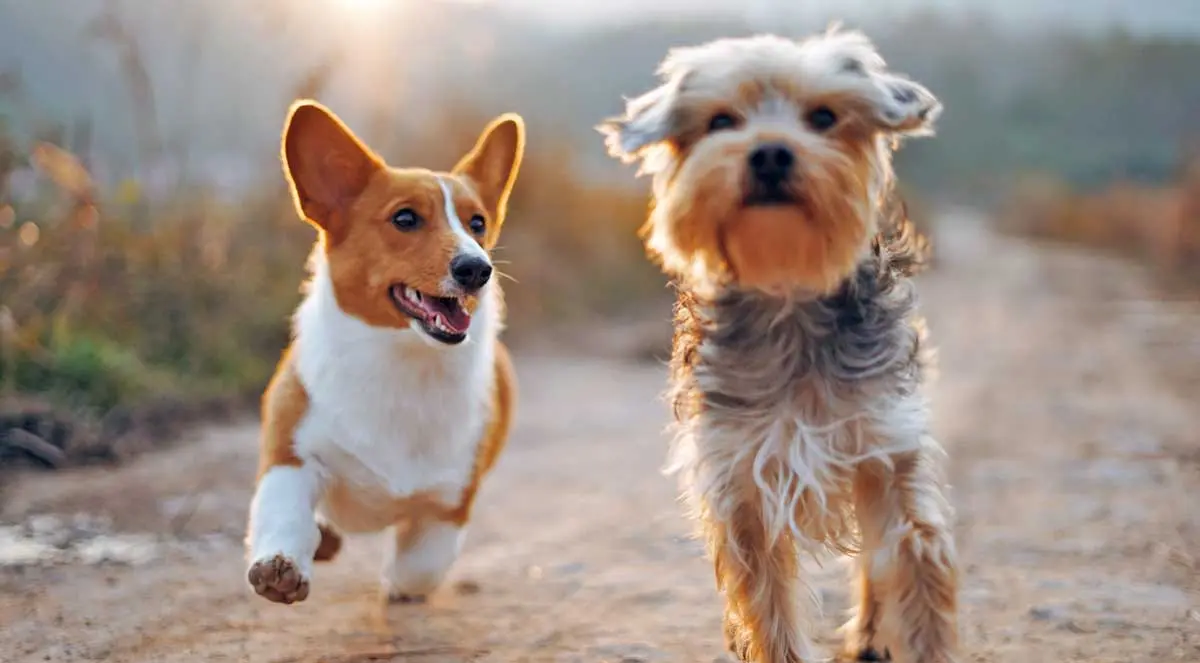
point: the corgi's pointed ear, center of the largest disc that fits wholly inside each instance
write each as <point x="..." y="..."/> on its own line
<point x="326" y="165"/>
<point x="494" y="162"/>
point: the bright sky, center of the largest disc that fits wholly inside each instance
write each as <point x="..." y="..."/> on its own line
<point x="1169" y="15"/>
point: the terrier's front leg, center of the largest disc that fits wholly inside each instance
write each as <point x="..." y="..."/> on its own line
<point x="913" y="574"/>
<point x="283" y="535"/>
<point x="862" y="631"/>
<point x="759" y="577"/>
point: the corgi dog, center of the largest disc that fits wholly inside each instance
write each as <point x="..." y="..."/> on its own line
<point x="395" y="396"/>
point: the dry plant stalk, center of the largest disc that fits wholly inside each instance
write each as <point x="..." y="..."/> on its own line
<point x="8" y="353"/>
<point x="68" y="173"/>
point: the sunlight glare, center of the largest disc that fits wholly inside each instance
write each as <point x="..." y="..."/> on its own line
<point x="366" y="6"/>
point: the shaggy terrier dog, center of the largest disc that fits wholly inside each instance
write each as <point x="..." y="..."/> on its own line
<point x="799" y="354"/>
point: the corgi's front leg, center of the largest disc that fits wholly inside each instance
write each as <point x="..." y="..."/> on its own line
<point x="418" y="556"/>
<point x="422" y="548"/>
<point x="283" y="535"/>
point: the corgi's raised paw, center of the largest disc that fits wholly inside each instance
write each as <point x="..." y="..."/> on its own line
<point x="278" y="579"/>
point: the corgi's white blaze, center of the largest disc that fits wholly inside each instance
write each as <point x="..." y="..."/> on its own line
<point x="391" y="412"/>
<point x="467" y="244"/>
<point x="281" y="516"/>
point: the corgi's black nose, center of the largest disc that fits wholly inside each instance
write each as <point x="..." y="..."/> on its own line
<point x="471" y="272"/>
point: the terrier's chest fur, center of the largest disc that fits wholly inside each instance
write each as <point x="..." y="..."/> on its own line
<point x="794" y="395"/>
<point x="390" y="416"/>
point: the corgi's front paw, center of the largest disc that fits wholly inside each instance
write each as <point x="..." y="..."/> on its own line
<point x="417" y="561"/>
<point x="411" y="587"/>
<point x="278" y="579"/>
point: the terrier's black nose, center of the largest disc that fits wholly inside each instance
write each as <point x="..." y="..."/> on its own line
<point x="772" y="163"/>
<point x="471" y="272"/>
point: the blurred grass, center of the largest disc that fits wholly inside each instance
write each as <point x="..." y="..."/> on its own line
<point x="109" y="300"/>
<point x="1158" y="225"/>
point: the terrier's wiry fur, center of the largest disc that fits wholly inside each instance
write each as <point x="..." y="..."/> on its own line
<point x="799" y="355"/>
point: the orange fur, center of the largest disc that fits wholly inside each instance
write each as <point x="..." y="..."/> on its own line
<point x="914" y="572"/>
<point x="415" y="516"/>
<point x="502" y="406"/>
<point x="350" y="196"/>
<point x="342" y="498"/>
<point x="758" y="579"/>
<point x="283" y="406"/>
<point x="862" y="630"/>
<point x="771" y="164"/>
<point x="700" y="227"/>
<point x="352" y="183"/>
<point x="491" y="167"/>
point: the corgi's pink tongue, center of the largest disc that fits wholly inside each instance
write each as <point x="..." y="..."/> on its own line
<point x="453" y="317"/>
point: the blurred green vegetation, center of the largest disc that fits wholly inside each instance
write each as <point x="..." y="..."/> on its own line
<point x="110" y="299"/>
<point x="110" y="296"/>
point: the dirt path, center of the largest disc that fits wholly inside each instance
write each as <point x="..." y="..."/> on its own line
<point x="1074" y="464"/>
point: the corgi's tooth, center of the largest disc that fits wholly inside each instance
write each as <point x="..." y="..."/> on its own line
<point x="412" y="295"/>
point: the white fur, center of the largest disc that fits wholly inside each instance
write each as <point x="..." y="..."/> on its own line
<point x="837" y="62"/>
<point x="467" y="245"/>
<point x="391" y="413"/>
<point x="420" y="568"/>
<point x="801" y="458"/>
<point x="812" y="451"/>
<point x="281" y="516"/>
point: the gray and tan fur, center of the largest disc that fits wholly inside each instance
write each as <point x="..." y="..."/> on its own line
<point x="802" y="425"/>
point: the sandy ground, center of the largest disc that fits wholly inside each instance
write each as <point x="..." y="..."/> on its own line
<point x="1074" y="462"/>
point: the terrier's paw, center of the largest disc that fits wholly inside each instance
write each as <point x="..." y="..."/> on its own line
<point x="278" y="579"/>
<point x="737" y="642"/>
<point x="866" y="654"/>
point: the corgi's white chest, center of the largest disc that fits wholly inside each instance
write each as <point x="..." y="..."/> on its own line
<point x="390" y="412"/>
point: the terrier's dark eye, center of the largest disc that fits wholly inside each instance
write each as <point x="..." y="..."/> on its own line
<point x="477" y="224"/>
<point x="721" y="121"/>
<point x="821" y="118"/>
<point x="406" y="219"/>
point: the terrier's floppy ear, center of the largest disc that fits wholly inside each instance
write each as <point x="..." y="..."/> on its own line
<point x="649" y="119"/>
<point x="903" y="106"/>
<point x="493" y="163"/>
<point x="326" y="165"/>
<point x="895" y="103"/>
<point x="646" y="122"/>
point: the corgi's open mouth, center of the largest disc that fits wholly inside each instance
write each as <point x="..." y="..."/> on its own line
<point x="443" y="318"/>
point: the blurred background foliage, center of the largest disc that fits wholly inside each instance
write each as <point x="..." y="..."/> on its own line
<point x="148" y="253"/>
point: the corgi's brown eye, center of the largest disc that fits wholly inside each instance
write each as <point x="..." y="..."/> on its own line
<point x="821" y="118"/>
<point x="477" y="224"/>
<point x="406" y="219"/>
<point x="721" y="122"/>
